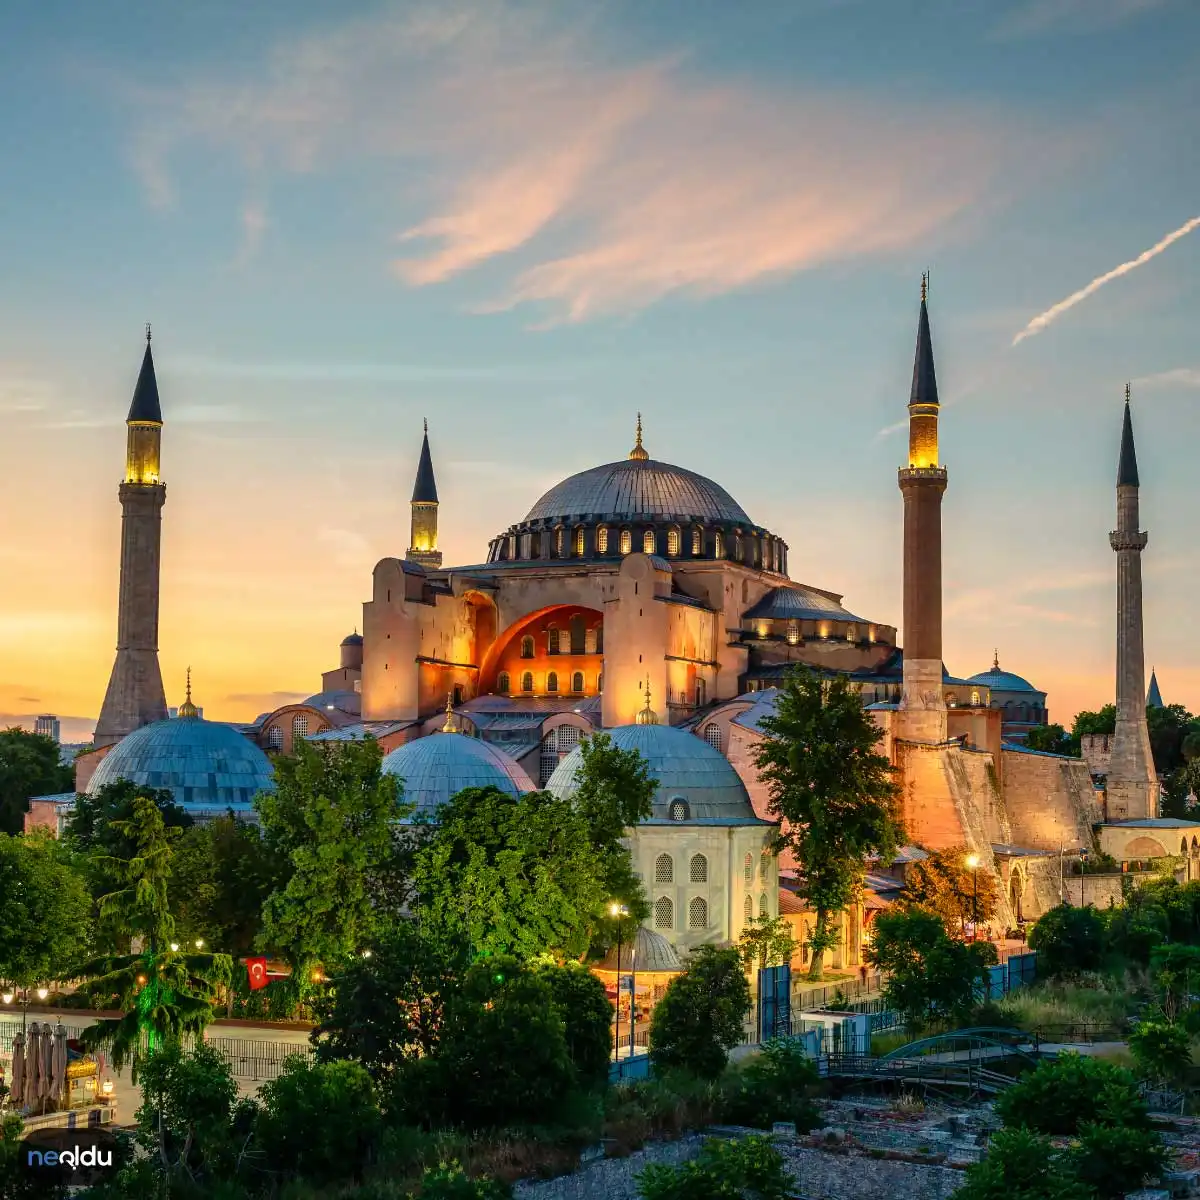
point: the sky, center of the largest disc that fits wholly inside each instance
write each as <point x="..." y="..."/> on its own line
<point x="528" y="222"/>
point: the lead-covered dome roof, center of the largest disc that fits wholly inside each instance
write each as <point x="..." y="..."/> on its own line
<point x="439" y="766"/>
<point x="206" y="764"/>
<point x="638" y="488"/>
<point x="687" y="769"/>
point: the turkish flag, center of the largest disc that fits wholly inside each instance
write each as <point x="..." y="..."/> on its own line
<point x="256" y="969"/>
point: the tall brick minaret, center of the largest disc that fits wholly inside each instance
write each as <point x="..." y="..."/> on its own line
<point x="922" y="483"/>
<point x="1132" y="789"/>
<point x="135" y="694"/>
<point x="424" y="538"/>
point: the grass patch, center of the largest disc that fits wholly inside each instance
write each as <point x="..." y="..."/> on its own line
<point x="1094" y="999"/>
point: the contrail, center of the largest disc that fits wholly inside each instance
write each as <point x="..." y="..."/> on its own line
<point x="1053" y="313"/>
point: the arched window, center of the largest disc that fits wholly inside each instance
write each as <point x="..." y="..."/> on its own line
<point x="560" y="541"/>
<point x="648" y="542"/>
<point x="672" y="541"/>
<point x="527" y="646"/>
<point x="299" y="726"/>
<point x="851" y="633"/>
<point x="749" y="866"/>
<point x="737" y="547"/>
<point x="552" y="683"/>
<point x="664" y="913"/>
<point x="456" y="696"/>
<point x="698" y="869"/>
<point x="602" y="540"/>
<point x="698" y="913"/>
<point x="679" y="809"/>
<point x="763" y="910"/>
<point x="664" y="869"/>
<point x="274" y="738"/>
<point x="502" y="682"/>
<point x="568" y="738"/>
<point x="718" y="545"/>
<point x="591" y="639"/>
<point x="578" y="541"/>
<point x="600" y="683"/>
<point x="577" y="682"/>
<point x="527" y="682"/>
<point x="701" y="693"/>
<point x="626" y="541"/>
<point x="793" y="632"/>
<point x="975" y="699"/>
<point x="697" y="540"/>
<point x="548" y="759"/>
<point x="763" y="859"/>
<point x="748" y="910"/>
<point x="552" y="640"/>
<point x="527" y="545"/>
<point x="712" y="735"/>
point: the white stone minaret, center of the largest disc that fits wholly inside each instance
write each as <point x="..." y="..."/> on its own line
<point x="1132" y="789"/>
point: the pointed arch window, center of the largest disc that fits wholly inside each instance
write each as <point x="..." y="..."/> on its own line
<point x="502" y="682"/>
<point x="698" y="869"/>
<point x="748" y="864"/>
<point x="763" y="910"/>
<point x="602" y="540"/>
<point x="560" y="541"/>
<point x="591" y="640"/>
<point x="626" y="541"/>
<point x="527" y="646"/>
<point x="664" y="913"/>
<point x="748" y="910"/>
<point x="577" y="682"/>
<point x="698" y="913"/>
<point x="664" y="869"/>
<point x="527" y="682"/>
<point x="552" y="683"/>
<point x="737" y="547"/>
<point x="648" y="542"/>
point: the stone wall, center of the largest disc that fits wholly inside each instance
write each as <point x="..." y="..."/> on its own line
<point x="1050" y="800"/>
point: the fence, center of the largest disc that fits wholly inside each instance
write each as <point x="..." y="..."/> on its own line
<point x="1005" y="977"/>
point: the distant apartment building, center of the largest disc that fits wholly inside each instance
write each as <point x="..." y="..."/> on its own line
<point x="47" y="725"/>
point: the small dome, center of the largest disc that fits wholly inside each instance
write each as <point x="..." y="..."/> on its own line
<point x="1002" y="681"/>
<point x="352" y="639"/>
<point x="341" y="701"/>
<point x="686" y="767"/>
<point x="205" y="763"/>
<point x="651" y="952"/>
<point x="441" y="765"/>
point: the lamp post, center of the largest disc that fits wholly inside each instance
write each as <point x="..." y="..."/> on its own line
<point x="617" y="911"/>
<point x="1083" y="857"/>
<point x="973" y="862"/>
<point x="21" y="997"/>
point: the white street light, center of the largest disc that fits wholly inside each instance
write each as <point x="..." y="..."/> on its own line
<point x="174" y="946"/>
<point x="8" y="997"/>
<point x="43" y="993"/>
<point x="199" y="943"/>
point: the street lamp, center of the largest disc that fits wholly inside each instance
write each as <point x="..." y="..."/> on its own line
<point x="21" y="996"/>
<point x="199" y="943"/>
<point x="973" y="863"/>
<point x="1083" y="858"/>
<point x="617" y="911"/>
<point x="174" y="947"/>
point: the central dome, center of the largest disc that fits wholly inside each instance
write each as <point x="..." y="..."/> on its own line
<point x="636" y="488"/>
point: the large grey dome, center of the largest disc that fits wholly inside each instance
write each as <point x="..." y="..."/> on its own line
<point x="208" y="765"/>
<point x="638" y="488"/>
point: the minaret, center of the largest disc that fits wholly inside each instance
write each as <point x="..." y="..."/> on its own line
<point x="1132" y="788"/>
<point x="135" y="690"/>
<point x="423" y="544"/>
<point x="922" y="482"/>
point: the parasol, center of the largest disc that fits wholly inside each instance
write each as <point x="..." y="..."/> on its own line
<point x="58" y="1063"/>
<point x="44" y="1083"/>
<point x="18" y="1070"/>
<point x="33" y="1065"/>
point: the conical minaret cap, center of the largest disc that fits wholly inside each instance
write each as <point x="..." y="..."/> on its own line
<point x="145" y="406"/>
<point x="924" y="381"/>
<point x="425" y="488"/>
<point x="1127" y="471"/>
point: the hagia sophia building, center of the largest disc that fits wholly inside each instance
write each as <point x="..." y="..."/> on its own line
<point x="641" y="599"/>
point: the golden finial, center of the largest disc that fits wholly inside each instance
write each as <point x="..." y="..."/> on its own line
<point x="187" y="708"/>
<point x="996" y="659"/>
<point x="451" y="726"/>
<point x="647" y="716"/>
<point x="1127" y="393"/>
<point x="924" y="285"/>
<point x="638" y="453"/>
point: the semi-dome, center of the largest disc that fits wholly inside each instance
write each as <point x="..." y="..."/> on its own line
<point x="206" y="764"/>
<point x="638" y="488"/>
<point x="695" y="782"/>
<point x="439" y="766"/>
<point x="339" y="699"/>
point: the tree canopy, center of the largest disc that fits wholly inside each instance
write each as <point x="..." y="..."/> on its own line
<point x="29" y="766"/>
<point x="946" y="886"/>
<point x="835" y="792"/>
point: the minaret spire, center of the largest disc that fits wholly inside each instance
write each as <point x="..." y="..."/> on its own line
<point x="639" y="452"/>
<point x="1131" y="788"/>
<point x="423" y="542"/>
<point x="135" y="695"/>
<point x="922" y="483"/>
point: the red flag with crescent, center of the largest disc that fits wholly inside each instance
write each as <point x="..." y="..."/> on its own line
<point x="256" y="969"/>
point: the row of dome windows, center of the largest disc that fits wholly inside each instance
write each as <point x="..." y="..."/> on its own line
<point x="767" y="552"/>
<point x="299" y="730"/>
<point x="664" y="911"/>
<point x="794" y="632"/>
<point x="504" y="683"/>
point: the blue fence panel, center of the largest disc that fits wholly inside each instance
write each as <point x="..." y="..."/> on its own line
<point x="774" y="1002"/>
<point x="635" y="1067"/>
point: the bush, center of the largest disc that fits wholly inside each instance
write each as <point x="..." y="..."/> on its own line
<point x="583" y="1005"/>
<point x="1021" y="1165"/>
<point x="1162" y="1052"/>
<point x="700" y="1019"/>
<point x="662" y="1107"/>
<point x="1073" y="1090"/>
<point x="448" y="1181"/>
<point x="774" y="1085"/>
<point x="1067" y="941"/>
<point x="1112" y="1160"/>
<point x="319" y="1120"/>
<point x="752" y="1167"/>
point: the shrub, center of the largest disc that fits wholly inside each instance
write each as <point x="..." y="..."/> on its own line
<point x="774" y="1085"/>
<point x="319" y="1120"/>
<point x="1021" y="1165"/>
<point x="1161" y="1051"/>
<point x="1068" y="940"/>
<point x="700" y="1019"/>
<point x="1072" y="1090"/>
<point x="751" y="1167"/>
<point x="448" y="1181"/>
<point x="586" y="1014"/>
<point x="1113" y="1160"/>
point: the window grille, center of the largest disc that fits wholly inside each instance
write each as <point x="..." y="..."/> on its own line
<point x="712" y="731"/>
<point x="698" y="913"/>
<point x="648" y="542"/>
<point x="664" y="913"/>
<point x="299" y="727"/>
<point x="664" y="869"/>
<point x="699" y="869"/>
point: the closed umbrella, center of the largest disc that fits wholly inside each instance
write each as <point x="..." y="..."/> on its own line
<point x="58" y="1064"/>
<point x="45" y="1083"/>
<point x="33" y="1064"/>
<point x="18" y="1070"/>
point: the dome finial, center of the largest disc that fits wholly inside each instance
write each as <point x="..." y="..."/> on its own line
<point x="996" y="659"/>
<point x="638" y="453"/>
<point x="187" y="708"/>
<point x="451" y="725"/>
<point x="647" y="716"/>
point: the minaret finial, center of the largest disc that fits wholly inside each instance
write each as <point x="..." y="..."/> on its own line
<point x="425" y="422"/>
<point x="1127" y="393"/>
<point x="451" y="726"/>
<point x="638" y="453"/>
<point x="189" y="683"/>
<point x="147" y="333"/>
<point x="924" y="285"/>
<point x="996" y="659"/>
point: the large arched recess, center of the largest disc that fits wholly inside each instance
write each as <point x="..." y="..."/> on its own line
<point x="580" y="640"/>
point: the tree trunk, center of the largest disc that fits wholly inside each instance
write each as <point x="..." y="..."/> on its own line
<point x="817" y="965"/>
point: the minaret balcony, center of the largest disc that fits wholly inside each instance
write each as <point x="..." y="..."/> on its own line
<point x="1124" y="539"/>
<point x="922" y="474"/>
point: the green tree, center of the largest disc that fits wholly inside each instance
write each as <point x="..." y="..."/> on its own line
<point x="1113" y="1161"/>
<point x="766" y="942"/>
<point x="1052" y="739"/>
<point x="1168" y="727"/>
<point x="387" y="1010"/>
<point x="834" y="791"/>
<point x="1071" y="1090"/>
<point x="776" y="1084"/>
<point x="1104" y="721"/>
<point x="944" y="885"/>
<point x="319" y="1120"/>
<point x="510" y="876"/>
<point x="1021" y="1165"/>
<point x="702" y="1015"/>
<point x="1163" y="1052"/>
<point x="583" y="1005"/>
<point x="930" y="976"/>
<point x="1176" y="972"/>
<point x="45" y="910"/>
<point x="750" y="1167"/>
<point x="333" y="820"/>
<point x="1068" y="940"/>
<point x="165" y="993"/>
<point x="29" y="766"/>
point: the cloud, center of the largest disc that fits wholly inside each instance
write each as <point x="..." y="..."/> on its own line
<point x="1178" y="377"/>
<point x="367" y="374"/>
<point x="266" y="701"/>
<point x="1038" y="17"/>
<point x="350" y="548"/>
<point x="1042" y="320"/>
<point x="1011" y="597"/>
<point x="617" y="183"/>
